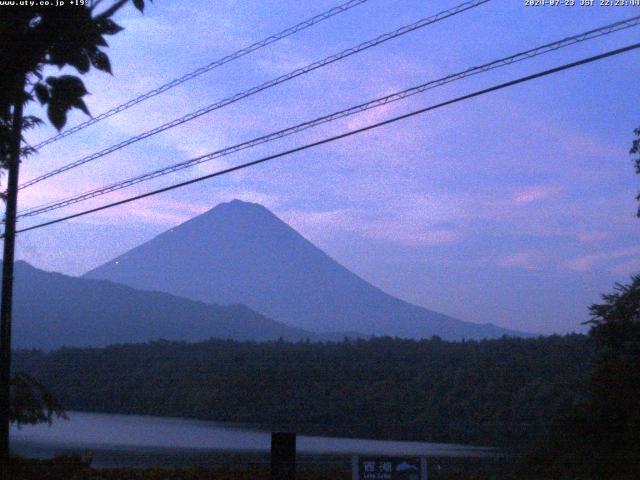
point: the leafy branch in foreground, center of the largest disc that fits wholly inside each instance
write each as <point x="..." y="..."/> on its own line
<point x="34" y="38"/>
<point x="31" y="402"/>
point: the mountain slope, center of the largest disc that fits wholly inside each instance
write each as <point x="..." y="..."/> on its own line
<point x="53" y="310"/>
<point x="240" y="252"/>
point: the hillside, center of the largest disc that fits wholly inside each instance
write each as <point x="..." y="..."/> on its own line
<point x="240" y="252"/>
<point x="53" y="310"/>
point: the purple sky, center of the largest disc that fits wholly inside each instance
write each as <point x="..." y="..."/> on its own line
<point x="515" y="208"/>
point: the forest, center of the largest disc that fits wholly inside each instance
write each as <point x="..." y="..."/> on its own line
<point x="504" y="392"/>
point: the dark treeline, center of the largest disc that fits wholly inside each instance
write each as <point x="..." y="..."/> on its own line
<point x="496" y="392"/>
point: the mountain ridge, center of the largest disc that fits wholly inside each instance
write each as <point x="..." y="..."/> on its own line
<point x="240" y="252"/>
<point x="52" y="310"/>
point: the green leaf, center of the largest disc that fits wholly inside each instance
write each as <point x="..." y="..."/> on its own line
<point x="30" y="121"/>
<point x="79" y="104"/>
<point x="106" y="26"/>
<point x="81" y="62"/>
<point x="66" y="93"/>
<point x="70" y="85"/>
<point x="57" y="114"/>
<point x="42" y="92"/>
<point x="100" y="60"/>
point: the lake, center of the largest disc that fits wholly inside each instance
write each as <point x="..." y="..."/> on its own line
<point x="135" y="440"/>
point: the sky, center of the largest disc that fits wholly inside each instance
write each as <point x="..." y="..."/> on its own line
<point x="515" y="208"/>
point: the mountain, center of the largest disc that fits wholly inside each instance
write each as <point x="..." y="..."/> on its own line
<point x="53" y="310"/>
<point x="240" y="252"/>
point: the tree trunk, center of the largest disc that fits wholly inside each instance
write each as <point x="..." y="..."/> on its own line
<point x="13" y="166"/>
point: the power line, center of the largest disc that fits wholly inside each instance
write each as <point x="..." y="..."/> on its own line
<point x="254" y="90"/>
<point x="215" y="64"/>
<point x="340" y="136"/>
<point x="591" y="34"/>
<point x="528" y="54"/>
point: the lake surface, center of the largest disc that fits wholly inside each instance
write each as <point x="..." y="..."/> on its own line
<point x="134" y="440"/>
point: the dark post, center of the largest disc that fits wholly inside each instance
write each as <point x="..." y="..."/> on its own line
<point x="7" y="276"/>
<point x="283" y="456"/>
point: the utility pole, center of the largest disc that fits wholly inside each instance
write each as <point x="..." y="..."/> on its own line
<point x="13" y="167"/>
<point x="283" y="456"/>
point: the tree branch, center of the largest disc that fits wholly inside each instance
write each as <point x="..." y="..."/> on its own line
<point x="111" y="10"/>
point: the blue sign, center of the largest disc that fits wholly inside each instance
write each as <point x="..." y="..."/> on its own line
<point x="389" y="468"/>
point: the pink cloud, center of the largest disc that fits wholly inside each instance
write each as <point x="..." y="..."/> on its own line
<point x="593" y="236"/>
<point x="398" y="233"/>
<point x="588" y="263"/>
<point x="626" y="268"/>
<point x="525" y="260"/>
<point x="400" y="230"/>
<point x="535" y="193"/>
